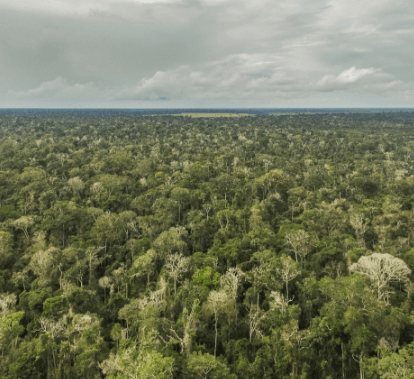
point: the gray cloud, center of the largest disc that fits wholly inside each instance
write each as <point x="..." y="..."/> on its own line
<point x="238" y="78"/>
<point x="59" y="88"/>
<point x="184" y="53"/>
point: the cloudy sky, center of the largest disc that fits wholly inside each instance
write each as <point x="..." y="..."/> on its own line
<point x="206" y="53"/>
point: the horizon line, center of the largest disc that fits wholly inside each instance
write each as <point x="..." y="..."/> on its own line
<point x="5" y="108"/>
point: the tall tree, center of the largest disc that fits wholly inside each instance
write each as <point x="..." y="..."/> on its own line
<point x="381" y="270"/>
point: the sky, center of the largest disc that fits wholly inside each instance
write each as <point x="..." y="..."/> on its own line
<point x="206" y="53"/>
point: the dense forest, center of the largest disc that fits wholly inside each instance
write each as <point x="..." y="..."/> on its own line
<point x="174" y="247"/>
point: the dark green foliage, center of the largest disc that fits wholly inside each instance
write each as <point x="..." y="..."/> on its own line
<point x="371" y="238"/>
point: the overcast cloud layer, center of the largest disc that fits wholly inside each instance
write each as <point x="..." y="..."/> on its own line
<point x="210" y="53"/>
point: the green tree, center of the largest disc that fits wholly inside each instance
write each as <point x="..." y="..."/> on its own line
<point x="182" y="197"/>
<point x="145" y="264"/>
<point x="107" y="229"/>
<point x="398" y="365"/>
<point x="205" y="366"/>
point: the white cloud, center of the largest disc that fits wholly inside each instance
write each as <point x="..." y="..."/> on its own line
<point x="364" y="78"/>
<point x="349" y="76"/>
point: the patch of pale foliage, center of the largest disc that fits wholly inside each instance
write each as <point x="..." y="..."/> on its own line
<point x="381" y="270"/>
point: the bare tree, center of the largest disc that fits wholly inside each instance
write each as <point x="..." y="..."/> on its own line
<point x="7" y="303"/>
<point x="217" y="303"/>
<point x="266" y="163"/>
<point x="381" y="269"/>
<point x="91" y="256"/>
<point x="230" y="283"/>
<point x="156" y="298"/>
<point x="256" y="277"/>
<point x="176" y="265"/>
<point x="137" y="363"/>
<point x="51" y="326"/>
<point x="120" y="276"/>
<point x="41" y="264"/>
<point x="55" y="329"/>
<point x="295" y="342"/>
<point x="300" y="242"/>
<point x="256" y="316"/>
<point x="129" y="223"/>
<point x="288" y="270"/>
<point x="207" y="208"/>
<point x="105" y="282"/>
<point x="279" y="302"/>
<point x="79" y="269"/>
<point x="189" y="323"/>
<point x="357" y="222"/>
<point x="24" y="223"/>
